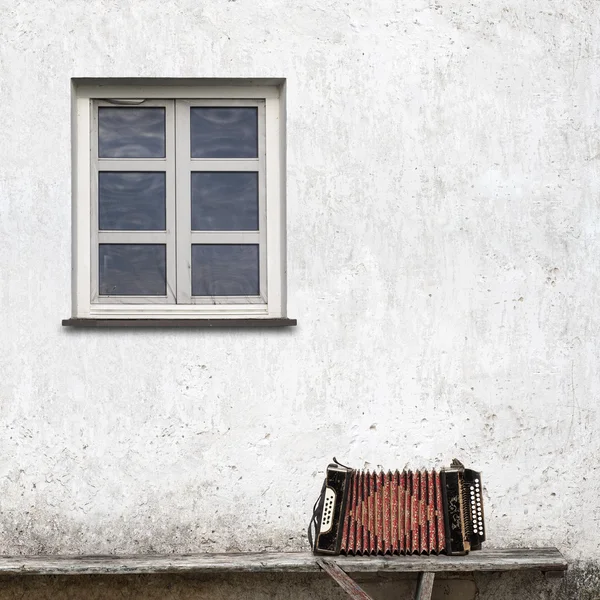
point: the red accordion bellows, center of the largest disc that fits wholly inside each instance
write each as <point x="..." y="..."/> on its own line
<point x="394" y="513"/>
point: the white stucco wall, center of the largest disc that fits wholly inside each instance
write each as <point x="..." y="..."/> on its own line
<point x="443" y="260"/>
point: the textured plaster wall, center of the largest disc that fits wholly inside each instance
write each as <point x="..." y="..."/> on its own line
<point x="444" y="260"/>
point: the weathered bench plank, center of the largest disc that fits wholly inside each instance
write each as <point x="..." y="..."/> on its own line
<point x="543" y="559"/>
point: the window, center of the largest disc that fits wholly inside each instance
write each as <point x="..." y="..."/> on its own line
<point x="178" y="199"/>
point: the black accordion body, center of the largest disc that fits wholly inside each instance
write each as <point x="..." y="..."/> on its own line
<point x="425" y="512"/>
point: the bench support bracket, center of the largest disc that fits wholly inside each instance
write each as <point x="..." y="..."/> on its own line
<point x="343" y="580"/>
<point x="424" y="585"/>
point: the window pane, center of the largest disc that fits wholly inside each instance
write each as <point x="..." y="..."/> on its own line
<point x="224" y="201"/>
<point x="131" y="132"/>
<point x="225" y="270"/>
<point x="133" y="269"/>
<point x="224" y="132"/>
<point x="131" y="201"/>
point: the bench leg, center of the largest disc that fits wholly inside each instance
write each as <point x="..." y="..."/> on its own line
<point x="343" y="580"/>
<point x="425" y="586"/>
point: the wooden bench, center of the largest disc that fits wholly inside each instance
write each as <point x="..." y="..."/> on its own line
<point x="548" y="560"/>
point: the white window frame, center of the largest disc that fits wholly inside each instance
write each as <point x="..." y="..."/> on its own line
<point x="174" y="95"/>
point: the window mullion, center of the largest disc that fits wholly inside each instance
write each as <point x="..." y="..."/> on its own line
<point x="140" y="164"/>
<point x="133" y="237"/>
<point x="183" y="202"/>
<point x="171" y="203"/>
<point x="230" y="164"/>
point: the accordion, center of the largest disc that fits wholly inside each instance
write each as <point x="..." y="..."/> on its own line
<point x="421" y="512"/>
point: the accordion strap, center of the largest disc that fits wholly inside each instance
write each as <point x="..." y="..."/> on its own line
<point x="313" y="521"/>
<point x="339" y="464"/>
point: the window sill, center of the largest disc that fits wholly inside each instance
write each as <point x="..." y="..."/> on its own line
<point x="280" y="322"/>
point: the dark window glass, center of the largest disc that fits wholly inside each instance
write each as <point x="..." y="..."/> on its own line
<point x="224" y="201"/>
<point x="131" y="132"/>
<point x="131" y="201"/>
<point x="224" y="132"/>
<point x="133" y="269"/>
<point x="225" y="270"/>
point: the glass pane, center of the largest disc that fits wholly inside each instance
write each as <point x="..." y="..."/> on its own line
<point x="224" y="201"/>
<point x="131" y="201"/>
<point x="225" y="270"/>
<point x="133" y="269"/>
<point x="224" y="132"/>
<point x="131" y="132"/>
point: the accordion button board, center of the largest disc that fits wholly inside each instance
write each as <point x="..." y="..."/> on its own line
<point x="379" y="513"/>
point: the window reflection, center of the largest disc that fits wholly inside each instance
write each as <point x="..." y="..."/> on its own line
<point x="224" y="201"/>
<point x="224" y="132"/>
<point x="126" y="132"/>
<point x="131" y="201"/>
